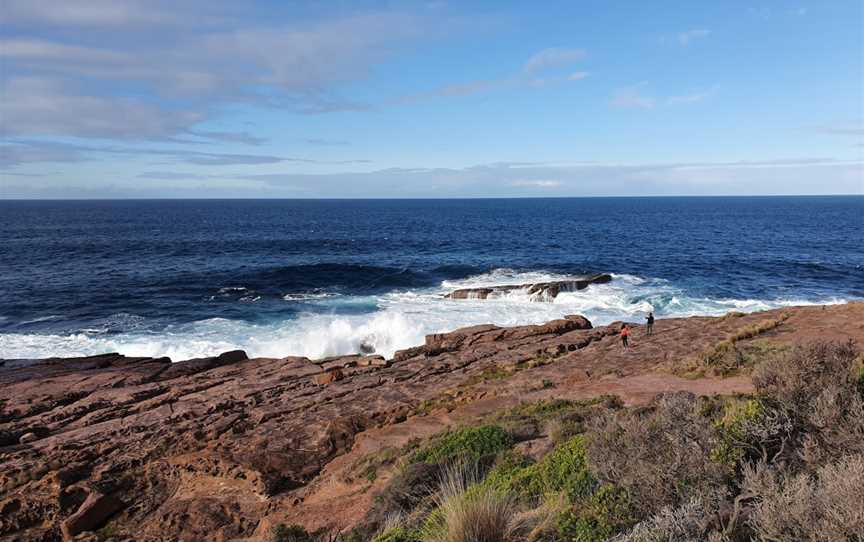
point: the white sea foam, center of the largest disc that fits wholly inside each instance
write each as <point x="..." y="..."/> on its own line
<point x="402" y="320"/>
<point x="308" y="296"/>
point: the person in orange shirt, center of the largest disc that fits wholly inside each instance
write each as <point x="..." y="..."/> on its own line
<point x="625" y="336"/>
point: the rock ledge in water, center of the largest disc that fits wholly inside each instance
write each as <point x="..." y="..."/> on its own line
<point x="538" y="291"/>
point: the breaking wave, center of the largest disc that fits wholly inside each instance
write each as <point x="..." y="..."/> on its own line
<point x="388" y="322"/>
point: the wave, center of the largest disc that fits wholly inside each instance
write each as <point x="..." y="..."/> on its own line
<point x="389" y="321"/>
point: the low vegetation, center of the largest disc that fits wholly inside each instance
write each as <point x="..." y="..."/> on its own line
<point x="728" y="356"/>
<point x="786" y="463"/>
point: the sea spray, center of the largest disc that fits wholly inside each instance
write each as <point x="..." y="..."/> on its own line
<point x="387" y="322"/>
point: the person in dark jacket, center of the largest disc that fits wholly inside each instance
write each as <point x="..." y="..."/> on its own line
<point x="650" y="320"/>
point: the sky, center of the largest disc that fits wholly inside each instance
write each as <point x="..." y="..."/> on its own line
<point x="363" y="99"/>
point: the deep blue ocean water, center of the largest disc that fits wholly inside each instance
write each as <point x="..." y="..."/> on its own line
<point x="316" y="277"/>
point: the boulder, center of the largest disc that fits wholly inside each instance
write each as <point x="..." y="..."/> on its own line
<point x="583" y="322"/>
<point x="408" y="353"/>
<point x="198" y="365"/>
<point x="562" y="326"/>
<point x="372" y="361"/>
<point x="329" y="376"/>
<point x="90" y="515"/>
<point x="438" y="343"/>
<point x="27" y="437"/>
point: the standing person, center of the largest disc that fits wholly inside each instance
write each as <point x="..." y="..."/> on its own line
<point x="625" y="336"/>
<point x="650" y="319"/>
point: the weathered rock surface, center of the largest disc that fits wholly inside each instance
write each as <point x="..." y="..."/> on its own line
<point x="539" y="291"/>
<point x="90" y="515"/>
<point x="222" y="448"/>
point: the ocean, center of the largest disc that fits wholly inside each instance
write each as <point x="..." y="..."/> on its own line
<point x="191" y="278"/>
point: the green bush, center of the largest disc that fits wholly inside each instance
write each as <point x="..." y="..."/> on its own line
<point x="606" y="513"/>
<point x="469" y="444"/>
<point x="733" y="430"/>
<point x="564" y="470"/>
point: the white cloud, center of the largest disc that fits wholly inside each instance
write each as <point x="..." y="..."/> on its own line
<point x="632" y="98"/>
<point x="43" y="106"/>
<point x="42" y="50"/>
<point x="23" y="151"/>
<point x="685" y="38"/>
<point x="104" y="13"/>
<point x="854" y="128"/>
<point x="691" y="98"/>
<point x="542" y="68"/>
<point x="540" y="183"/>
<point x="553" y="57"/>
<point x="503" y="179"/>
<point x="196" y="68"/>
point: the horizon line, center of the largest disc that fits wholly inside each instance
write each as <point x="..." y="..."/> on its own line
<point x="455" y="198"/>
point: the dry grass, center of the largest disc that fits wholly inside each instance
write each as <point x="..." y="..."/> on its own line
<point x="731" y="315"/>
<point x="724" y="357"/>
<point x="481" y="515"/>
<point x="824" y="507"/>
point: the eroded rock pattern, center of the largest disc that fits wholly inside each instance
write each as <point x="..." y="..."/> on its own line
<point x="221" y="448"/>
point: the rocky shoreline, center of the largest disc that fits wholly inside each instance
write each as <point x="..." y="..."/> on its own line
<point x="224" y="448"/>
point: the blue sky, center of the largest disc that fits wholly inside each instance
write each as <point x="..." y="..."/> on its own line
<point x="145" y="98"/>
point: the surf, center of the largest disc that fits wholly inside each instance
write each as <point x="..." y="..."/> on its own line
<point x="387" y="322"/>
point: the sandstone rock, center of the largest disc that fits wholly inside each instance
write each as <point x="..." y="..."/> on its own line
<point x="583" y="322"/>
<point x="372" y="361"/>
<point x="27" y="437"/>
<point x="90" y="515"/>
<point x="408" y="353"/>
<point x="329" y="376"/>
<point x="192" y="366"/>
<point x="563" y="325"/>
<point x="439" y="343"/>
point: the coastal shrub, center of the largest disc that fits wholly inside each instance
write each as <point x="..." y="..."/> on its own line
<point x="560" y="419"/>
<point x="750" y="429"/>
<point x="595" y="519"/>
<point x="290" y="533"/>
<point x="481" y="515"/>
<point x="659" y="455"/>
<point x="816" y="388"/>
<point x="563" y="470"/>
<point x="731" y="428"/>
<point x="725" y="357"/>
<point x="408" y="488"/>
<point x="731" y="315"/>
<point x="686" y="523"/>
<point x="860" y="381"/>
<point x="754" y="352"/>
<point x="469" y="444"/>
<point x="825" y="506"/>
